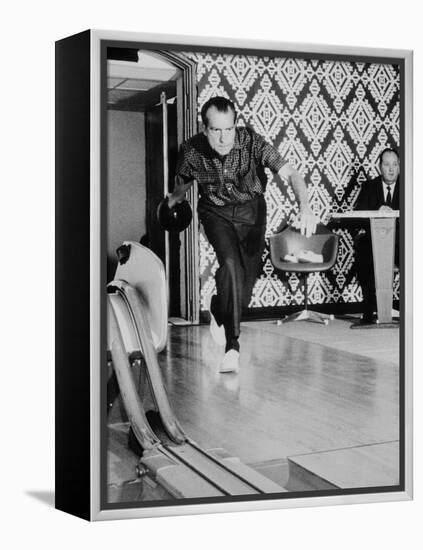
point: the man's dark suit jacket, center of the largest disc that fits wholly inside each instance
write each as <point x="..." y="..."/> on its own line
<point x="371" y="195"/>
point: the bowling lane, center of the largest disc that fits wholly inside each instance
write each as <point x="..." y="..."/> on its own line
<point x="290" y="397"/>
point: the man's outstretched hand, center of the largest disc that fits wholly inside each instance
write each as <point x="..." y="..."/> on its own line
<point x="306" y="222"/>
<point x="178" y="195"/>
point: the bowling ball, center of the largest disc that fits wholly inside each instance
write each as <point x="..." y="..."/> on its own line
<point x="176" y="218"/>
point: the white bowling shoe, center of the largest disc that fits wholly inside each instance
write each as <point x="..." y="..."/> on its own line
<point x="230" y="361"/>
<point x="217" y="332"/>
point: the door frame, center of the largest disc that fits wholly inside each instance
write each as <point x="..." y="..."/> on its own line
<point x="186" y="101"/>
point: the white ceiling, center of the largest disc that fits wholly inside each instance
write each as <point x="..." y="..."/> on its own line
<point x="126" y="79"/>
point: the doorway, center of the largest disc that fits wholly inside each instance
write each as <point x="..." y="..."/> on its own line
<point x="151" y="100"/>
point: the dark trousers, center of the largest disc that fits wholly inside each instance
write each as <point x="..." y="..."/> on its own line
<point x="365" y="270"/>
<point x="237" y="236"/>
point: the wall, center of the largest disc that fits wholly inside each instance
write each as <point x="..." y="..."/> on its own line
<point x="331" y="120"/>
<point x="126" y="179"/>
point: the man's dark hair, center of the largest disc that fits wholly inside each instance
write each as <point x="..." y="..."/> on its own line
<point x="222" y="104"/>
<point x="388" y="150"/>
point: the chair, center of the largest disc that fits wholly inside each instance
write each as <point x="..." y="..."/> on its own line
<point x="290" y="241"/>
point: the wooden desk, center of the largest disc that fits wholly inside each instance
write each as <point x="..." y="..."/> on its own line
<point x="382" y="228"/>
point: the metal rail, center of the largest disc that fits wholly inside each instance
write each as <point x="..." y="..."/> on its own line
<point x="131" y="399"/>
<point x="142" y="332"/>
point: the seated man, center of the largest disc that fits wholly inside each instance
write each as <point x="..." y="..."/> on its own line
<point x="381" y="193"/>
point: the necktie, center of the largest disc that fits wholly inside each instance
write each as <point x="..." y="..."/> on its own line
<point x="388" y="197"/>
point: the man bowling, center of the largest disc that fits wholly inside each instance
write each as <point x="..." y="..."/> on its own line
<point x="228" y="164"/>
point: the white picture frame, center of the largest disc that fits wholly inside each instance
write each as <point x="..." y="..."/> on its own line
<point x="86" y="471"/>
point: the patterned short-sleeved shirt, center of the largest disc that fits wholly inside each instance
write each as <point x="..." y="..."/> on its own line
<point x="233" y="178"/>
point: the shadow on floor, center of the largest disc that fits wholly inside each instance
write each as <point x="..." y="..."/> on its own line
<point x="46" y="497"/>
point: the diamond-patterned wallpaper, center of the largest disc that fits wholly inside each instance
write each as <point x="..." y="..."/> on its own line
<point x="330" y="119"/>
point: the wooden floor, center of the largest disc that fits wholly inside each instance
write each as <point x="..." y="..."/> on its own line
<point x="361" y="466"/>
<point x="302" y="389"/>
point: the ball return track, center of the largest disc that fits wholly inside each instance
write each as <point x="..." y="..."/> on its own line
<point x="169" y="456"/>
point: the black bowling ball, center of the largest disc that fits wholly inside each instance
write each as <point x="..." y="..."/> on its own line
<point x="176" y="218"/>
